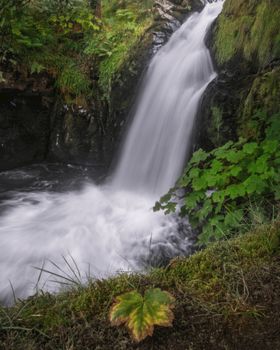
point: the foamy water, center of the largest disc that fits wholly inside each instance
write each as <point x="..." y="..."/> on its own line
<point x="113" y="228"/>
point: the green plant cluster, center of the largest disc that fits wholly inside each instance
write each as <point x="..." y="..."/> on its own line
<point x="44" y="35"/>
<point x="69" y="40"/>
<point x="125" y="22"/>
<point x="226" y="187"/>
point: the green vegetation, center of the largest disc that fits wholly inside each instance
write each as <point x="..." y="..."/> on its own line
<point x="224" y="295"/>
<point x="229" y="291"/>
<point x="261" y="102"/>
<point x="141" y="313"/>
<point x="68" y="40"/>
<point x="124" y="27"/>
<point x="236" y="185"/>
<point x="231" y="188"/>
<point x="215" y="125"/>
<point x="250" y="28"/>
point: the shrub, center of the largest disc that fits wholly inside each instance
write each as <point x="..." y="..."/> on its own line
<point x="223" y="186"/>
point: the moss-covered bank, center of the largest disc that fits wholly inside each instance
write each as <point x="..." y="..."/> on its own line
<point x="245" y="47"/>
<point x="227" y="297"/>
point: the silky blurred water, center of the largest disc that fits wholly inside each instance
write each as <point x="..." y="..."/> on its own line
<point x="159" y="139"/>
<point x="51" y="214"/>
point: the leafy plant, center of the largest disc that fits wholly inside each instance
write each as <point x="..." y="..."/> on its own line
<point x="141" y="313"/>
<point x="222" y="187"/>
<point x="72" y="80"/>
<point x="65" y="39"/>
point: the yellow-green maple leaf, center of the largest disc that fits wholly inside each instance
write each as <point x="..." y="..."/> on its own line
<point x="141" y="313"/>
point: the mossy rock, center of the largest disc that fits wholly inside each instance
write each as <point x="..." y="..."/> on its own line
<point x="248" y="29"/>
<point x="262" y="102"/>
<point x="245" y="45"/>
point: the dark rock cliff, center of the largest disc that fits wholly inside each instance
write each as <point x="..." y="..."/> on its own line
<point x="25" y="112"/>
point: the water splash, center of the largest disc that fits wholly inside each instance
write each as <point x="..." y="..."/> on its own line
<point x="113" y="227"/>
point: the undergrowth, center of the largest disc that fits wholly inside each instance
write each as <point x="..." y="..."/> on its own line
<point x="230" y="189"/>
<point x="71" y="40"/>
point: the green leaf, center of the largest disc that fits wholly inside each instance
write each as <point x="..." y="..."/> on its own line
<point x="140" y="314"/>
<point x="205" y="210"/>
<point x="235" y="170"/>
<point x="193" y="199"/>
<point x="170" y="207"/>
<point x="166" y="198"/>
<point x="234" y="156"/>
<point x="236" y="190"/>
<point x="157" y="206"/>
<point x="199" y="156"/>
<point x="250" y="148"/>
<point x="199" y="183"/>
<point x="216" y="166"/>
<point x="194" y="173"/>
<point x="220" y="152"/>
<point x="260" y="165"/>
<point x="212" y="180"/>
<point x="270" y="146"/>
<point x="254" y="184"/>
<point x="219" y="196"/>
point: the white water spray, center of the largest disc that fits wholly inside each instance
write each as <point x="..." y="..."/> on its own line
<point x="111" y="228"/>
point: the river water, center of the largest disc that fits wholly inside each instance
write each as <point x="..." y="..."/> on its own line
<point x="58" y="217"/>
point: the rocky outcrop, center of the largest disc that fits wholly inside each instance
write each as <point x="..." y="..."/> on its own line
<point x="245" y="47"/>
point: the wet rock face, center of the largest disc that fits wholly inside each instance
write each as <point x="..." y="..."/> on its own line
<point x="76" y="135"/>
<point x="25" y="109"/>
<point x="246" y="92"/>
<point x="90" y="133"/>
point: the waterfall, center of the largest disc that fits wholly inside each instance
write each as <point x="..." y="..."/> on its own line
<point x="158" y="141"/>
<point x="112" y="227"/>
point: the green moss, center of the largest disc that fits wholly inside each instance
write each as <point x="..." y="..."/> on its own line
<point x="261" y="102"/>
<point x="250" y="28"/>
<point x="214" y="127"/>
<point x="211" y="274"/>
<point x="264" y="34"/>
<point x="229" y="37"/>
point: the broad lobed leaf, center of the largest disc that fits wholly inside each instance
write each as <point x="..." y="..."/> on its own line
<point x="141" y="313"/>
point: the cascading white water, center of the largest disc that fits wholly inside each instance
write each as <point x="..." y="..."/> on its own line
<point x="112" y="227"/>
<point x="159" y="139"/>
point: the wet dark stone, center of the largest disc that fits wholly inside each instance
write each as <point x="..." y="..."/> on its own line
<point x="24" y="127"/>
